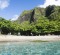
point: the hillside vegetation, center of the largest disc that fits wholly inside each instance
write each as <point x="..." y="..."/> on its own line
<point x="38" y="21"/>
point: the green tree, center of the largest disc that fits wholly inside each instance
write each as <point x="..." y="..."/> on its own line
<point x="25" y="28"/>
<point x="4" y="26"/>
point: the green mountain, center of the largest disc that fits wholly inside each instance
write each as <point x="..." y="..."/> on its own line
<point x="50" y="12"/>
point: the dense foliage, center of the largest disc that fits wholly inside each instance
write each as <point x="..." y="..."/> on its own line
<point x="47" y="21"/>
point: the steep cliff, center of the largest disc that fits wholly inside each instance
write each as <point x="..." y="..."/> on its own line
<point x="31" y="15"/>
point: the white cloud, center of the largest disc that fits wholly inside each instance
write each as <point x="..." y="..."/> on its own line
<point x="4" y="4"/>
<point x="15" y="17"/>
<point x="50" y="2"/>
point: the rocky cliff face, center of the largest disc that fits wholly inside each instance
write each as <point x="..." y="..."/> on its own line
<point x="25" y="16"/>
<point x="30" y="15"/>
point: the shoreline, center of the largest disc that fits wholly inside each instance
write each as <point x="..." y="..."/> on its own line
<point x="12" y="38"/>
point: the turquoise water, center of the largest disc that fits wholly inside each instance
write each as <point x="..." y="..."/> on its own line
<point x="30" y="48"/>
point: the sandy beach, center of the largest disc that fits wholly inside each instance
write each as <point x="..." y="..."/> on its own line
<point x="28" y="38"/>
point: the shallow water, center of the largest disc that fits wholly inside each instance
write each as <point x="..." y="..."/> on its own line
<point x="30" y="48"/>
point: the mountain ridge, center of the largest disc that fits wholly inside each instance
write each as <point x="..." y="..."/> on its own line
<point x="49" y="12"/>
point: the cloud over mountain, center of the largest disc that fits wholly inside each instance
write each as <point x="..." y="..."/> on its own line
<point x="15" y="17"/>
<point x="50" y="2"/>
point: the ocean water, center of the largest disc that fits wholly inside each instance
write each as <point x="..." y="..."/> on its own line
<point x="30" y="48"/>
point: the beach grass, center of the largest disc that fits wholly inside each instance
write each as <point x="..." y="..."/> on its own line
<point x="39" y="41"/>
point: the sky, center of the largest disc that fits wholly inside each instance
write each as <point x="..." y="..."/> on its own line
<point x="11" y="9"/>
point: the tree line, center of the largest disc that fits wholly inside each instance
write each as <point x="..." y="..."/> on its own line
<point x="41" y="27"/>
